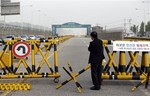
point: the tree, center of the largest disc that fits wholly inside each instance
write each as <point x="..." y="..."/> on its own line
<point x="134" y="28"/>
<point x="142" y="29"/>
<point x="148" y="26"/>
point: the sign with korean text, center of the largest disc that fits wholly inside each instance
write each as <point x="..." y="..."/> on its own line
<point x="131" y="46"/>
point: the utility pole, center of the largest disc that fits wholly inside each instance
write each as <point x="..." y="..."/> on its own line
<point x="124" y="28"/>
<point x="105" y="28"/>
<point x="130" y="20"/>
<point x="4" y="26"/>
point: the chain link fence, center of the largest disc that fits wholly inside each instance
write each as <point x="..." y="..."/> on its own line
<point x="8" y="29"/>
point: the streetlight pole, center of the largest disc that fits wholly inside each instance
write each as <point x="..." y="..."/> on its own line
<point x="148" y="2"/>
<point x="39" y="21"/>
<point x="4" y="25"/>
<point x="22" y="16"/>
<point x="32" y="27"/>
<point x="45" y="24"/>
<point x="144" y="17"/>
<point x="32" y="21"/>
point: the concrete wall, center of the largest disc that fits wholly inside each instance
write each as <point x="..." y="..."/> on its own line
<point x="111" y="36"/>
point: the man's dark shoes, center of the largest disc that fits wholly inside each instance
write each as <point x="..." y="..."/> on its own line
<point x="95" y="88"/>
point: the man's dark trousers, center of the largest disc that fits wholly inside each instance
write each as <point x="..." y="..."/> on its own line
<point x="96" y="73"/>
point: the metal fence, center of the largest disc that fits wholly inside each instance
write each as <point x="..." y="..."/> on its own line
<point x="6" y="29"/>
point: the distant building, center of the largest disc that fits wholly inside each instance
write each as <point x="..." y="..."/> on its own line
<point x="126" y="32"/>
<point x="98" y="29"/>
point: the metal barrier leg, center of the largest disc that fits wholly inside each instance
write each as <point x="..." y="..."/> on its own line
<point x="26" y="66"/>
<point x="122" y="62"/>
<point x="144" y="80"/>
<point x="145" y="62"/>
<point x="33" y="56"/>
<point x="134" y="61"/>
<point x="70" y="68"/>
<point x="44" y="59"/>
<point x="111" y="61"/>
<point x="55" y="57"/>
<point x="76" y="74"/>
<point x="135" y="87"/>
<point x="142" y="62"/>
<point x="4" y="67"/>
<point x="128" y="65"/>
<point x="10" y="58"/>
<point x="147" y="79"/>
<point x="74" y="78"/>
<point x="16" y="68"/>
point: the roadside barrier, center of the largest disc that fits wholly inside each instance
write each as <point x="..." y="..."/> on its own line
<point x="124" y="70"/>
<point x="137" y="38"/>
<point x="20" y="50"/>
<point x="74" y="75"/>
<point x="10" y="71"/>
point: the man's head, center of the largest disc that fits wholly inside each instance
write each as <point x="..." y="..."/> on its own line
<point x="93" y="35"/>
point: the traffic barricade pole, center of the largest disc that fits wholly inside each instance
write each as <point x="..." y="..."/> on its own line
<point x="145" y="62"/>
<point x="55" y="57"/>
<point x="33" y="56"/>
<point x="122" y="62"/>
<point x="10" y="57"/>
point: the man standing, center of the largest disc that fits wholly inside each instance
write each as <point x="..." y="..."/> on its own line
<point x="95" y="59"/>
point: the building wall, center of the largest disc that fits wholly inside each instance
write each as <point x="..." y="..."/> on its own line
<point x="71" y="31"/>
<point x="98" y="29"/>
<point x="111" y="36"/>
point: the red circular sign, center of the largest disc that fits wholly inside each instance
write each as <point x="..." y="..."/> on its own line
<point x="21" y="49"/>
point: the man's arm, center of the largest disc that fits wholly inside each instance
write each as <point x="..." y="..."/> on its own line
<point x="90" y="47"/>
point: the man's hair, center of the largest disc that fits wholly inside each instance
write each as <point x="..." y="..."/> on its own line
<point x="94" y="34"/>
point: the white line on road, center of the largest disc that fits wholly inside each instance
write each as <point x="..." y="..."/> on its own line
<point x="85" y="43"/>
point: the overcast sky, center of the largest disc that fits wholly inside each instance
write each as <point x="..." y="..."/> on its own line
<point x="101" y="12"/>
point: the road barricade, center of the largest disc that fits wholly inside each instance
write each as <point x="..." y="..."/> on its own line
<point x="123" y="70"/>
<point x="10" y="69"/>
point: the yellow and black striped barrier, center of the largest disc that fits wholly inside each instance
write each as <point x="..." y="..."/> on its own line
<point x="123" y="69"/>
<point x="71" y="74"/>
<point x="146" y="81"/>
<point x="15" y="86"/>
<point x="73" y="77"/>
<point x="10" y="68"/>
<point x="137" y="38"/>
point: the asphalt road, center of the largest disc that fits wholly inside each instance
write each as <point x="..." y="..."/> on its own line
<point x="75" y="51"/>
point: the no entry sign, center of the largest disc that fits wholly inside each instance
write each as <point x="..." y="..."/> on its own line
<point x="21" y="49"/>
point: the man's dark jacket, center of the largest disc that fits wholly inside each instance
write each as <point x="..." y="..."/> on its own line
<point x="96" y="51"/>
